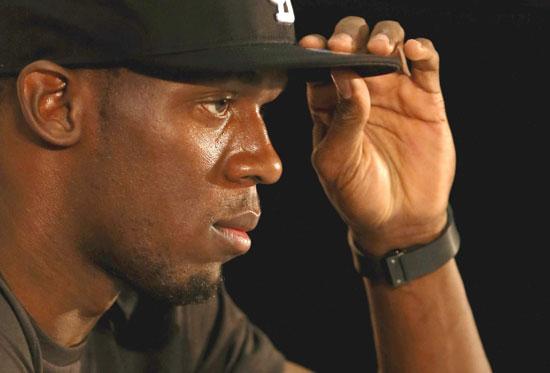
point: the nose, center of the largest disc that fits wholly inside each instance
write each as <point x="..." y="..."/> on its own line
<point x="253" y="160"/>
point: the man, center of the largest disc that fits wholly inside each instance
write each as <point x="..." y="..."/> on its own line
<point x="132" y="144"/>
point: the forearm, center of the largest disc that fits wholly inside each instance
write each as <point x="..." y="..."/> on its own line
<point x="426" y="325"/>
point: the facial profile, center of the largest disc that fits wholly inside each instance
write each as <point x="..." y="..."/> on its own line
<point x="168" y="178"/>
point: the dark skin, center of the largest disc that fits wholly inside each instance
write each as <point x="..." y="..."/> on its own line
<point x="131" y="179"/>
<point x="209" y="154"/>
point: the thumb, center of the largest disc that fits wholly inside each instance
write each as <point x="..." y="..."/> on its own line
<point x="351" y="112"/>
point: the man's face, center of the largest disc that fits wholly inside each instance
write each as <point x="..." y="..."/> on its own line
<point x="172" y="179"/>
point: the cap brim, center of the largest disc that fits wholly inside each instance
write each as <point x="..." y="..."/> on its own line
<point x="307" y="64"/>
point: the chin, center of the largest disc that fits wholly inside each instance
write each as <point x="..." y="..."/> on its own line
<point x="163" y="281"/>
<point x="181" y="288"/>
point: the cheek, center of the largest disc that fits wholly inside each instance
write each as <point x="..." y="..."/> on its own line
<point x="155" y="190"/>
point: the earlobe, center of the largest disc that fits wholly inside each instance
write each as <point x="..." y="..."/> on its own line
<point x="46" y="94"/>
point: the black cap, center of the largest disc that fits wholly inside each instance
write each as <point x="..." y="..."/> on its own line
<point x="172" y="35"/>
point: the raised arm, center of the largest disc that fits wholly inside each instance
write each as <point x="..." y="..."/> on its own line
<point x="384" y="153"/>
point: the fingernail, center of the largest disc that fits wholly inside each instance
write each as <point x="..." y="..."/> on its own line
<point x="341" y="41"/>
<point x="343" y="85"/>
<point x="381" y="37"/>
<point x="418" y="44"/>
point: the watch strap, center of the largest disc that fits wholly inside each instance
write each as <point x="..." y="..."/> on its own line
<point x="400" y="266"/>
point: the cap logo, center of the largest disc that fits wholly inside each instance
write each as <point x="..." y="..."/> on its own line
<point x="285" y="12"/>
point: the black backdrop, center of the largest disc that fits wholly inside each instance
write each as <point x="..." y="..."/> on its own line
<point x="297" y="282"/>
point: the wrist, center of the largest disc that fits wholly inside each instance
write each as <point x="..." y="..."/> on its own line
<point x="401" y="235"/>
<point x="404" y="264"/>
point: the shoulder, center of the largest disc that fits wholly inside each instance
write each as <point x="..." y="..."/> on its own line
<point x="14" y="349"/>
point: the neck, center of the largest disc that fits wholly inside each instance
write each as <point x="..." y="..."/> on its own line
<point x="41" y="262"/>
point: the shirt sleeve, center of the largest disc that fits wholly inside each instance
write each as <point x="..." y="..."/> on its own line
<point x="226" y="340"/>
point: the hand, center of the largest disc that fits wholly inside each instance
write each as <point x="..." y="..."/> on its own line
<point x="382" y="146"/>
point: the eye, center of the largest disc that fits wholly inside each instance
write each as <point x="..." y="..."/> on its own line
<point x="218" y="108"/>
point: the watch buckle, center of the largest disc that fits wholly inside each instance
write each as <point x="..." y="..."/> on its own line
<point x="394" y="269"/>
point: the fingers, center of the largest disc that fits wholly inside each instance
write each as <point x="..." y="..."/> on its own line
<point x="350" y="35"/>
<point x="384" y="38"/>
<point x="343" y="123"/>
<point x="387" y="38"/>
<point x="425" y="63"/>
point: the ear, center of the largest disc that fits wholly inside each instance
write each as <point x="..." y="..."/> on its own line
<point x="47" y="94"/>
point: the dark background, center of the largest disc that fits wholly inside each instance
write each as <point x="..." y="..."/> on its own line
<point x="297" y="283"/>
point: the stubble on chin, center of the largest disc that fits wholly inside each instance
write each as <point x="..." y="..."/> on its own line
<point x="158" y="279"/>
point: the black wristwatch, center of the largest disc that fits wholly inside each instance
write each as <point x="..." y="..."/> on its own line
<point x="400" y="266"/>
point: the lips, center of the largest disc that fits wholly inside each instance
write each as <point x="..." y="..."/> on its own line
<point x="245" y="222"/>
<point x="232" y="231"/>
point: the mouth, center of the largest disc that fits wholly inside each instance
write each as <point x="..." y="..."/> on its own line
<point x="233" y="231"/>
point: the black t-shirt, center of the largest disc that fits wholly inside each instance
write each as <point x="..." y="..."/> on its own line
<point x="138" y="334"/>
